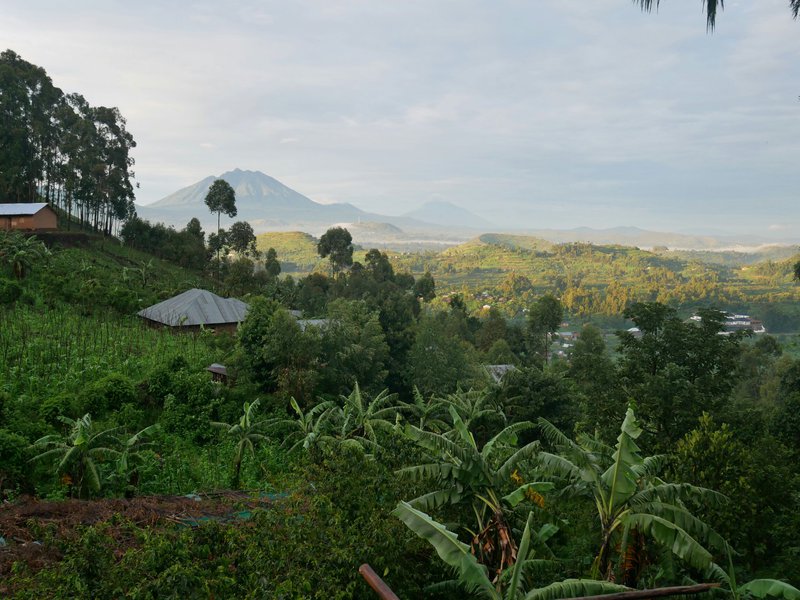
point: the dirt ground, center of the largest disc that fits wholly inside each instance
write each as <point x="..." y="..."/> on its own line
<point x="27" y="519"/>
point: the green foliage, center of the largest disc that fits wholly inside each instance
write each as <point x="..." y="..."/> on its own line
<point x="221" y="198"/>
<point x="630" y="497"/>
<point x="439" y="358"/>
<point x="337" y="245"/>
<point x="12" y="457"/>
<point x="109" y="392"/>
<point x="246" y="434"/>
<point x="10" y="291"/>
<point x="79" y="454"/>
<point x="188" y="406"/>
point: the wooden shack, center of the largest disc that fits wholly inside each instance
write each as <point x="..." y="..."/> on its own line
<point x="31" y="216"/>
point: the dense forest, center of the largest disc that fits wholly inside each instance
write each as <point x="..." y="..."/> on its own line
<point x="368" y="410"/>
<point x="508" y="272"/>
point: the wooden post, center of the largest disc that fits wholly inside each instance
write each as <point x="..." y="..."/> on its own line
<point x="376" y="583"/>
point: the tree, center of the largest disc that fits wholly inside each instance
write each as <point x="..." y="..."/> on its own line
<point x="363" y="418"/>
<point x="337" y="245"/>
<point x="544" y="320"/>
<point x="632" y="502"/>
<point x="271" y="264"/>
<point x="246" y="433"/>
<point x="355" y="347"/>
<point x="796" y="269"/>
<point x="221" y="199"/>
<point x="242" y="239"/>
<point x="676" y="370"/>
<point x="425" y="287"/>
<point x="711" y="7"/>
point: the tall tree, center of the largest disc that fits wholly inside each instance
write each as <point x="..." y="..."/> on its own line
<point x="544" y="320"/>
<point x="221" y="199"/>
<point x="337" y="245"/>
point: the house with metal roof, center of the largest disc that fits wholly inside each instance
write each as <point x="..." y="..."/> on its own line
<point x="197" y="308"/>
<point x="28" y="216"/>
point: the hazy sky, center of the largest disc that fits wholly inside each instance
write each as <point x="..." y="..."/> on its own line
<point x="533" y="113"/>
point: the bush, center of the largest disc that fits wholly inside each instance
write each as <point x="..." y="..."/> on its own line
<point x="13" y="469"/>
<point x="110" y="392"/>
<point x="10" y="291"/>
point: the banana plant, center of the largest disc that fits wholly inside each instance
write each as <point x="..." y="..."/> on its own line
<point x="473" y="576"/>
<point x="79" y="453"/>
<point x="310" y="429"/>
<point x="247" y="432"/>
<point x="755" y="588"/>
<point x="362" y="418"/>
<point x="631" y="500"/>
<point x="478" y="477"/>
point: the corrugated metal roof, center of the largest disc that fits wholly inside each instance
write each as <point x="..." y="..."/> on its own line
<point x="196" y="307"/>
<point x="22" y="208"/>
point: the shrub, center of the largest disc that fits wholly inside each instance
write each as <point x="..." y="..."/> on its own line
<point x="10" y="291"/>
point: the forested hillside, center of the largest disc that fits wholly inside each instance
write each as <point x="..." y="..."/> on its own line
<point x="354" y="438"/>
<point x="508" y="272"/>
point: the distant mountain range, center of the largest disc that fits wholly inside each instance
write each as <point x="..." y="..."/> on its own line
<point x="269" y="205"/>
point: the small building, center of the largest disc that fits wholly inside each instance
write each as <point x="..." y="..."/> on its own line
<point x="197" y="308"/>
<point x="28" y="216"/>
<point x="219" y="373"/>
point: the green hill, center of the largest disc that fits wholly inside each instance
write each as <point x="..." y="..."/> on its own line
<point x="297" y="251"/>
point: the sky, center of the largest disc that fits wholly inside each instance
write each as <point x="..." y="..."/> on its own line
<point x="531" y="114"/>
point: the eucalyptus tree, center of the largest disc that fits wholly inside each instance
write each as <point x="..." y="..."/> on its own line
<point x="632" y="502"/>
<point x="221" y="198"/>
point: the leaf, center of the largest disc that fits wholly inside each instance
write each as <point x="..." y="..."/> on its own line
<point x="685" y="520"/>
<point x="472" y="575"/>
<point x="683" y="545"/>
<point x="526" y="452"/>
<point x="574" y="588"/>
<point x="522" y="553"/>
<point x="507" y="436"/>
<point x="619" y="478"/>
<point x="770" y="588"/>
<point x="519" y="494"/>
<point x="437" y="498"/>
